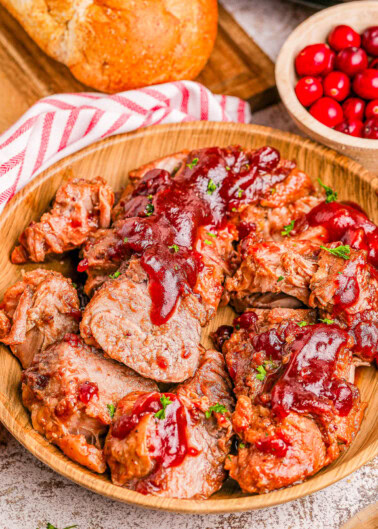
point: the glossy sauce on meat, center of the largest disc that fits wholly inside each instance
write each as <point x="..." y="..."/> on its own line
<point x="170" y="444"/>
<point x="346" y="223"/>
<point x="211" y="186"/>
<point x="309" y="384"/>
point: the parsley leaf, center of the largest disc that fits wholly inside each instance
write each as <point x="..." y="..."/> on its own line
<point x="126" y="239"/>
<point x="228" y="168"/>
<point x="281" y="278"/>
<point x="174" y="247"/>
<point x="115" y="275"/>
<point x="331" y="195"/>
<point x="206" y="241"/>
<point x="149" y="209"/>
<point x="150" y="197"/>
<point x="327" y="321"/>
<point x="240" y="192"/>
<point x="301" y="323"/>
<point x="51" y="526"/>
<point x="261" y="373"/>
<point x="233" y="209"/>
<point x="217" y="408"/>
<point x="111" y="409"/>
<point x="211" y="187"/>
<point x="287" y="229"/>
<point x="273" y="190"/>
<point x="193" y="163"/>
<point x="165" y="401"/>
<point x="241" y="445"/>
<point x="340" y="251"/>
<point x="74" y="285"/>
<point x="211" y="234"/>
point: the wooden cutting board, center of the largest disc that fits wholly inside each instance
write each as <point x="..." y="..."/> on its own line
<point x="237" y="67"/>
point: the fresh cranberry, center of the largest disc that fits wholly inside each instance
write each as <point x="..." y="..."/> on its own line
<point x="308" y="90"/>
<point x="372" y="109"/>
<point x="343" y="37"/>
<point x="336" y="85"/>
<point x="370" y="129"/>
<point x="370" y="40"/>
<point x="313" y="60"/>
<point x="330" y="63"/>
<point x="353" y="127"/>
<point x="365" y="84"/>
<point x="245" y="321"/>
<point x="327" y="111"/>
<point x="352" y="60"/>
<point x="374" y="64"/>
<point x="354" y="108"/>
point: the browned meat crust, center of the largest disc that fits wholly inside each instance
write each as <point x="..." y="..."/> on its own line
<point x="201" y="473"/>
<point x="80" y="207"/>
<point x="38" y="311"/>
<point x="71" y="390"/>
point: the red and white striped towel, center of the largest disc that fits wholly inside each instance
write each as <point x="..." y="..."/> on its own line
<point x="62" y="124"/>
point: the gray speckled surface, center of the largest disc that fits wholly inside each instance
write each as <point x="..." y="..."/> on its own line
<point x="32" y="495"/>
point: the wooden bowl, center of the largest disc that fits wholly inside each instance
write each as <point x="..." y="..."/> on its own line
<point x="112" y="159"/>
<point x="315" y="29"/>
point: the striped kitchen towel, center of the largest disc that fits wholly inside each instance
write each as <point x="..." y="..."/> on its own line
<point x="61" y="124"/>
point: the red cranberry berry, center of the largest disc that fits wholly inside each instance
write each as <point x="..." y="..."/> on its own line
<point x="308" y="90"/>
<point x="370" y="129"/>
<point x="353" y="127"/>
<point x="370" y="40"/>
<point x="343" y="36"/>
<point x="374" y="64"/>
<point x="336" y="85"/>
<point x="245" y="321"/>
<point x="372" y="109"/>
<point x="353" y="108"/>
<point x="313" y="60"/>
<point x="327" y="111"/>
<point x="365" y="84"/>
<point x="351" y="61"/>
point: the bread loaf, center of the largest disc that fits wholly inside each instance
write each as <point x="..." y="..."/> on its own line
<point x="115" y="45"/>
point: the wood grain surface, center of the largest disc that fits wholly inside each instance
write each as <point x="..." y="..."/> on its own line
<point x="236" y="67"/>
<point x="112" y="159"/>
<point x="365" y="519"/>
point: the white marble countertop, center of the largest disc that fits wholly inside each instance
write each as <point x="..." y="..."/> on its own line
<point x="31" y="494"/>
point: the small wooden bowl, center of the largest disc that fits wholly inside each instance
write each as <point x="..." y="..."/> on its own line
<point x="315" y="29"/>
<point x="113" y="158"/>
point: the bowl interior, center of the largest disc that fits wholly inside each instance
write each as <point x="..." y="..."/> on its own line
<point x="112" y="159"/>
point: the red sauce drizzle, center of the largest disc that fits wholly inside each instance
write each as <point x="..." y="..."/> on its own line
<point x="277" y="444"/>
<point x="83" y="265"/>
<point x="246" y="320"/>
<point x="163" y="230"/>
<point x="346" y="222"/>
<point x="309" y="384"/>
<point x="169" y="445"/>
<point x="87" y="390"/>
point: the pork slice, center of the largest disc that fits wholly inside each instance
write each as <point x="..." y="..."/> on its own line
<point x="71" y="391"/>
<point x="117" y="319"/>
<point x="274" y="267"/>
<point x="38" y="311"/>
<point x="80" y="207"/>
<point x="257" y="342"/>
<point x="133" y="458"/>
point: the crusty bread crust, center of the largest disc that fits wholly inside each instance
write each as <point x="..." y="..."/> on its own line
<point x="115" y="45"/>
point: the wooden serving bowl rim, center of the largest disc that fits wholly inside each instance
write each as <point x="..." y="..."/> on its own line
<point x="51" y="456"/>
<point x="285" y="75"/>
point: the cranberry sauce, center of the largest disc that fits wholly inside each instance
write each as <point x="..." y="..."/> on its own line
<point x="169" y="445"/>
<point x="87" y="390"/>
<point x="212" y="185"/>
<point x="346" y="223"/>
<point x="277" y="444"/>
<point x="221" y="335"/>
<point x="309" y="384"/>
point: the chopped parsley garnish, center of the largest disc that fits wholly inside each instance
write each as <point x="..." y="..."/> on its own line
<point x="211" y="234"/>
<point x="115" y="275"/>
<point x="174" y="247"/>
<point x="217" y="408"/>
<point x="126" y="239"/>
<point x="149" y="209"/>
<point x="240" y="193"/>
<point x="273" y="190"/>
<point x="331" y="195"/>
<point x="111" y="409"/>
<point x="327" y="321"/>
<point x="51" y="526"/>
<point x="193" y="163"/>
<point x="261" y="372"/>
<point x="340" y="251"/>
<point x="281" y="278"/>
<point x="246" y="167"/>
<point x="241" y="445"/>
<point x="302" y="323"/>
<point x="74" y="285"/>
<point x="287" y="229"/>
<point x="165" y="401"/>
<point x="228" y="168"/>
<point x="270" y="364"/>
<point x="233" y="209"/>
<point x="175" y="170"/>
<point x="211" y="187"/>
<point x="150" y="197"/>
<point x="206" y="241"/>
